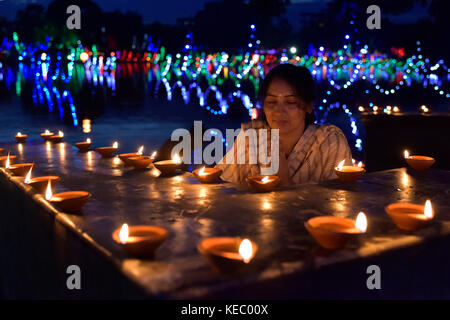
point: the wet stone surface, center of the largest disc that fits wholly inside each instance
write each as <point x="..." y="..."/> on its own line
<point x="191" y="211"/>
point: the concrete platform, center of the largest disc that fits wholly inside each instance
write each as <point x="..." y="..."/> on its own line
<point x="39" y="242"/>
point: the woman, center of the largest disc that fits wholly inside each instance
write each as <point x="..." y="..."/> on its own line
<point x="307" y="152"/>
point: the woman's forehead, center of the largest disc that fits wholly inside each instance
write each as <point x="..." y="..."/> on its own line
<point x="280" y="88"/>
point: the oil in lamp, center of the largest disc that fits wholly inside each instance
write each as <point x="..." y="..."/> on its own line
<point x="71" y="201"/>
<point x="84" y="146"/>
<point x="7" y="161"/>
<point x="46" y="135"/>
<point x="333" y="232"/>
<point x="418" y="163"/>
<point x="140" y="240"/>
<point x="21" y="169"/>
<point x="125" y="156"/>
<point x="139" y="162"/>
<point x="349" y="173"/>
<point x="227" y="254"/>
<point x="40" y="183"/>
<point x="20" y="138"/>
<point x="207" y="175"/>
<point x="262" y="183"/>
<point x="108" y="152"/>
<point x="409" y="216"/>
<point x="167" y="167"/>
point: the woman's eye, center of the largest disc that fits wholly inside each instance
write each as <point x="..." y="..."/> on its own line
<point x="292" y="102"/>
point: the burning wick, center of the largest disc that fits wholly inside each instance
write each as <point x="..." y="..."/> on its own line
<point x="428" y="210"/>
<point x="360" y="164"/>
<point x="48" y="192"/>
<point x="406" y="154"/>
<point x="28" y="176"/>
<point x="47" y="132"/>
<point x="61" y="134"/>
<point x="7" y="162"/>
<point x="124" y="233"/>
<point x="88" y="140"/>
<point x="176" y="158"/>
<point x="141" y="149"/>
<point x="353" y="161"/>
<point x="19" y="134"/>
<point x="265" y="179"/>
<point x="154" y="154"/>
<point x="361" y="222"/>
<point x="115" y="145"/>
<point x="246" y="250"/>
<point x="340" y="165"/>
<point x="202" y="172"/>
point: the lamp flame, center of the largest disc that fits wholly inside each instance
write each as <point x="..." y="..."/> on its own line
<point x="406" y="154"/>
<point x="428" y="211"/>
<point x="353" y="161"/>
<point x="141" y="149"/>
<point x="361" y="222"/>
<point x="28" y="176"/>
<point x="246" y="250"/>
<point x="47" y="132"/>
<point x="202" y="172"/>
<point x="176" y="158"/>
<point x="48" y="192"/>
<point x="154" y="154"/>
<point x="60" y="133"/>
<point x="19" y="134"/>
<point x="88" y="140"/>
<point x="115" y="145"/>
<point x="7" y="162"/>
<point x="360" y="164"/>
<point x="340" y="165"/>
<point x="124" y="234"/>
<point x="265" y="179"/>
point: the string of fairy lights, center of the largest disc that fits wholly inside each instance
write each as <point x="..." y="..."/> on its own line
<point x="185" y="71"/>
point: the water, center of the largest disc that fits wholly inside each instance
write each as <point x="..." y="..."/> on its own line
<point x="141" y="104"/>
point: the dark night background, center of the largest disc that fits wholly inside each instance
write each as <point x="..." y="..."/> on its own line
<point x="221" y="25"/>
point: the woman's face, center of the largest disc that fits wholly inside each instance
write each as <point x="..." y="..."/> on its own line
<point x="283" y="108"/>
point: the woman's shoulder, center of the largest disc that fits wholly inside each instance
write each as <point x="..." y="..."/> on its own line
<point x="325" y="129"/>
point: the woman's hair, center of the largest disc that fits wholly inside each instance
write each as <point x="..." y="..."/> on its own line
<point x="301" y="81"/>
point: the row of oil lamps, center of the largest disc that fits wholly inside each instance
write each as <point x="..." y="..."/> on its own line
<point x="224" y="253"/>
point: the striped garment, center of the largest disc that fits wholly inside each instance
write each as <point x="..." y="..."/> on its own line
<point x="312" y="159"/>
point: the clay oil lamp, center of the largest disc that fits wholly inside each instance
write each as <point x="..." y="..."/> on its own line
<point x="40" y="183"/>
<point x="333" y="232"/>
<point x="262" y="183"/>
<point x="141" y="240"/>
<point x="419" y="163"/>
<point x="20" y="138"/>
<point x="226" y="254"/>
<point x="409" y="216"/>
<point x="57" y="138"/>
<point x="125" y="156"/>
<point x="139" y="162"/>
<point x="108" y="152"/>
<point x="7" y="161"/>
<point x="167" y="167"/>
<point x="71" y="201"/>
<point x="349" y="173"/>
<point x="84" y="146"/>
<point x="207" y="175"/>
<point x="360" y="164"/>
<point x="46" y="135"/>
<point x="21" y="169"/>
